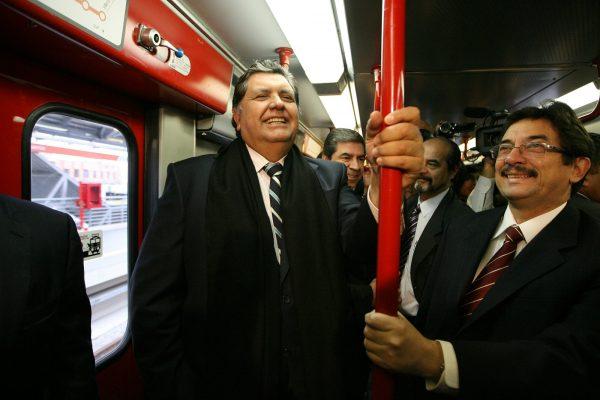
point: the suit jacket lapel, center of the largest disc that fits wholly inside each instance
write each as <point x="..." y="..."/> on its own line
<point x="539" y="257"/>
<point x="434" y="228"/>
<point x="459" y="270"/>
<point x="15" y="275"/>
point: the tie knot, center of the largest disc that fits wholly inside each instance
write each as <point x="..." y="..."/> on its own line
<point x="273" y="169"/>
<point x="417" y="209"/>
<point x="514" y="234"/>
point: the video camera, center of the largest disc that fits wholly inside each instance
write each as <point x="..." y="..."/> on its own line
<point x="490" y="131"/>
<point x="451" y="129"/>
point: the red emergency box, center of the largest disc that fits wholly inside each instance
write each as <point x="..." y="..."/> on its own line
<point x="90" y="195"/>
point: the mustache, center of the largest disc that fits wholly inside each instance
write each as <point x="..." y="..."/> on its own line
<point x="425" y="178"/>
<point x="518" y="169"/>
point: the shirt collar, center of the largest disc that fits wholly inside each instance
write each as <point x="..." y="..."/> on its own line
<point x="428" y="206"/>
<point x="258" y="160"/>
<point x="531" y="227"/>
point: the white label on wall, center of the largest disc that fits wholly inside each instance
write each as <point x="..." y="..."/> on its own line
<point x="91" y="244"/>
<point x="102" y="18"/>
<point x="181" y="65"/>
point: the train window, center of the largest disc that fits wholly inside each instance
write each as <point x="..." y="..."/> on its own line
<point x="81" y="167"/>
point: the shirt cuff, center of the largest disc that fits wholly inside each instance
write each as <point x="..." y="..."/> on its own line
<point x="374" y="210"/>
<point x="448" y="382"/>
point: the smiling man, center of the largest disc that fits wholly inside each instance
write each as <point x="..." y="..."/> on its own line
<point x="240" y="287"/>
<point x="347" y="147"/>
<point x="513" y="305"/>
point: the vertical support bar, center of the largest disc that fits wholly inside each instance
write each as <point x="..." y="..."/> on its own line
<point x="390" y="190"/>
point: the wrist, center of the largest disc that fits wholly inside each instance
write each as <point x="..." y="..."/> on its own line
<point x="433" y="363"/>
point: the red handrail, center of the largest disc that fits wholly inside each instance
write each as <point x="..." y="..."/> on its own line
<point x="390" y="191"/>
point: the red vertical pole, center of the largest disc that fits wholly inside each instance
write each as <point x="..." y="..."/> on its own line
<point x="390" y="188"/>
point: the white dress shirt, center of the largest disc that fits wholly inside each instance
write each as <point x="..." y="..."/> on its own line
<point x="449" y="380"/>
<point x="265" y="180"/>
<point x="481" y="197"/>
<point x="409" y="304"/>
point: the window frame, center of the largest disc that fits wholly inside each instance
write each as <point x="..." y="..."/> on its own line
<point x="132" y="192"/>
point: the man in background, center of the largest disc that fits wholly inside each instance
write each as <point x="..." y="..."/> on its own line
<point x="425" y="218"/>
<point x="347" y="147"/>
<point x="591" y="183"/>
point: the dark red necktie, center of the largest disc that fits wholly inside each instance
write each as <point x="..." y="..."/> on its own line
<point x="499" y="263"/>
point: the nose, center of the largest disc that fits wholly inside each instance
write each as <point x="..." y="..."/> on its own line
<point x="276" y="103"/>
<point x="515" y="156"/>
<point x="354" y="164"/>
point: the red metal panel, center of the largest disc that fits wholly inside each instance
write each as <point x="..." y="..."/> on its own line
<point x="390" y="190"/>
<point x="24" y="87"/>
<point x="133" y="67"/>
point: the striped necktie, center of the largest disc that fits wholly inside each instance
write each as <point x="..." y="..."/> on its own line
<point x="488" y="276"/>
<point x="274" y="170"/>
<point x="409" y="235"/>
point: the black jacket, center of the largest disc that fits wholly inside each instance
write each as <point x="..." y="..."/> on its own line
<point x="45" y="344"/>
<point x="449" y="209"/>
<point x="537" y="332"/>
<point x="168" y="297"/>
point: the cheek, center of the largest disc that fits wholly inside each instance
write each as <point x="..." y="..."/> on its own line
<point x="498" y="165"/>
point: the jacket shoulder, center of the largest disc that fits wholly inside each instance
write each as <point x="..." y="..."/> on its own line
<point x="30" y="212"/>
<point x="459" y="209"/>
<point x="330" y="173"/>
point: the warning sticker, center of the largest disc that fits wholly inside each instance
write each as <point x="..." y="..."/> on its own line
<point x="91" y="243"/>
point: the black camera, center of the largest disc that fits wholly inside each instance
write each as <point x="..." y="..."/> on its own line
<point x="489" y="134"/>
<point x="452" y="129"/>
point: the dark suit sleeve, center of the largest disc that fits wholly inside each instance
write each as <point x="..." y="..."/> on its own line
<point x="157" y="293"/>
<point x="560" y="362"/>
<point x="359" y="242"/>
<point x="76" y="369"/>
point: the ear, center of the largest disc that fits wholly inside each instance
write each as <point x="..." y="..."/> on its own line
<point x="454" y="172"/>
<point x="581" y="166"/>
<point x="236" y="118"/>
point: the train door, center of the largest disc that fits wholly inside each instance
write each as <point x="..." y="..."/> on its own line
<point x="76" y="147"/>
<point x="87" y="91"/>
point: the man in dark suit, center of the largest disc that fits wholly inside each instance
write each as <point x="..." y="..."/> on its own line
<point x="240" y="290"/>
<point x="425" y="218"/>
<point x="44" y="310"/>
<point x="515" y="299"/>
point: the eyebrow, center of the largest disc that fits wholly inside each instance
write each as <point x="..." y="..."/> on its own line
<point x="267" y="90"/>
<point x="529" y="138"/>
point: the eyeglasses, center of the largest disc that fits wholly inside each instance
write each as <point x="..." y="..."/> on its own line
<point x="532" y="149"/>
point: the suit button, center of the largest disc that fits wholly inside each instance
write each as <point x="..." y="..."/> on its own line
<point x="286" y="299"/>
<point x="286" y="351"/>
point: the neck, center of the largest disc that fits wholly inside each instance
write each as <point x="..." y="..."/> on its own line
<point x="272" y="151"/>
<point x="523" y="213"/>
<point x="427" y="196"/>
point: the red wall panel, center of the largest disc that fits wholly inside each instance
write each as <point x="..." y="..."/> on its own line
<point x="131" y="69"/>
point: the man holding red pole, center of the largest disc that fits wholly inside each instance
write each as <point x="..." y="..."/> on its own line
<point x="515" y="291"/>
